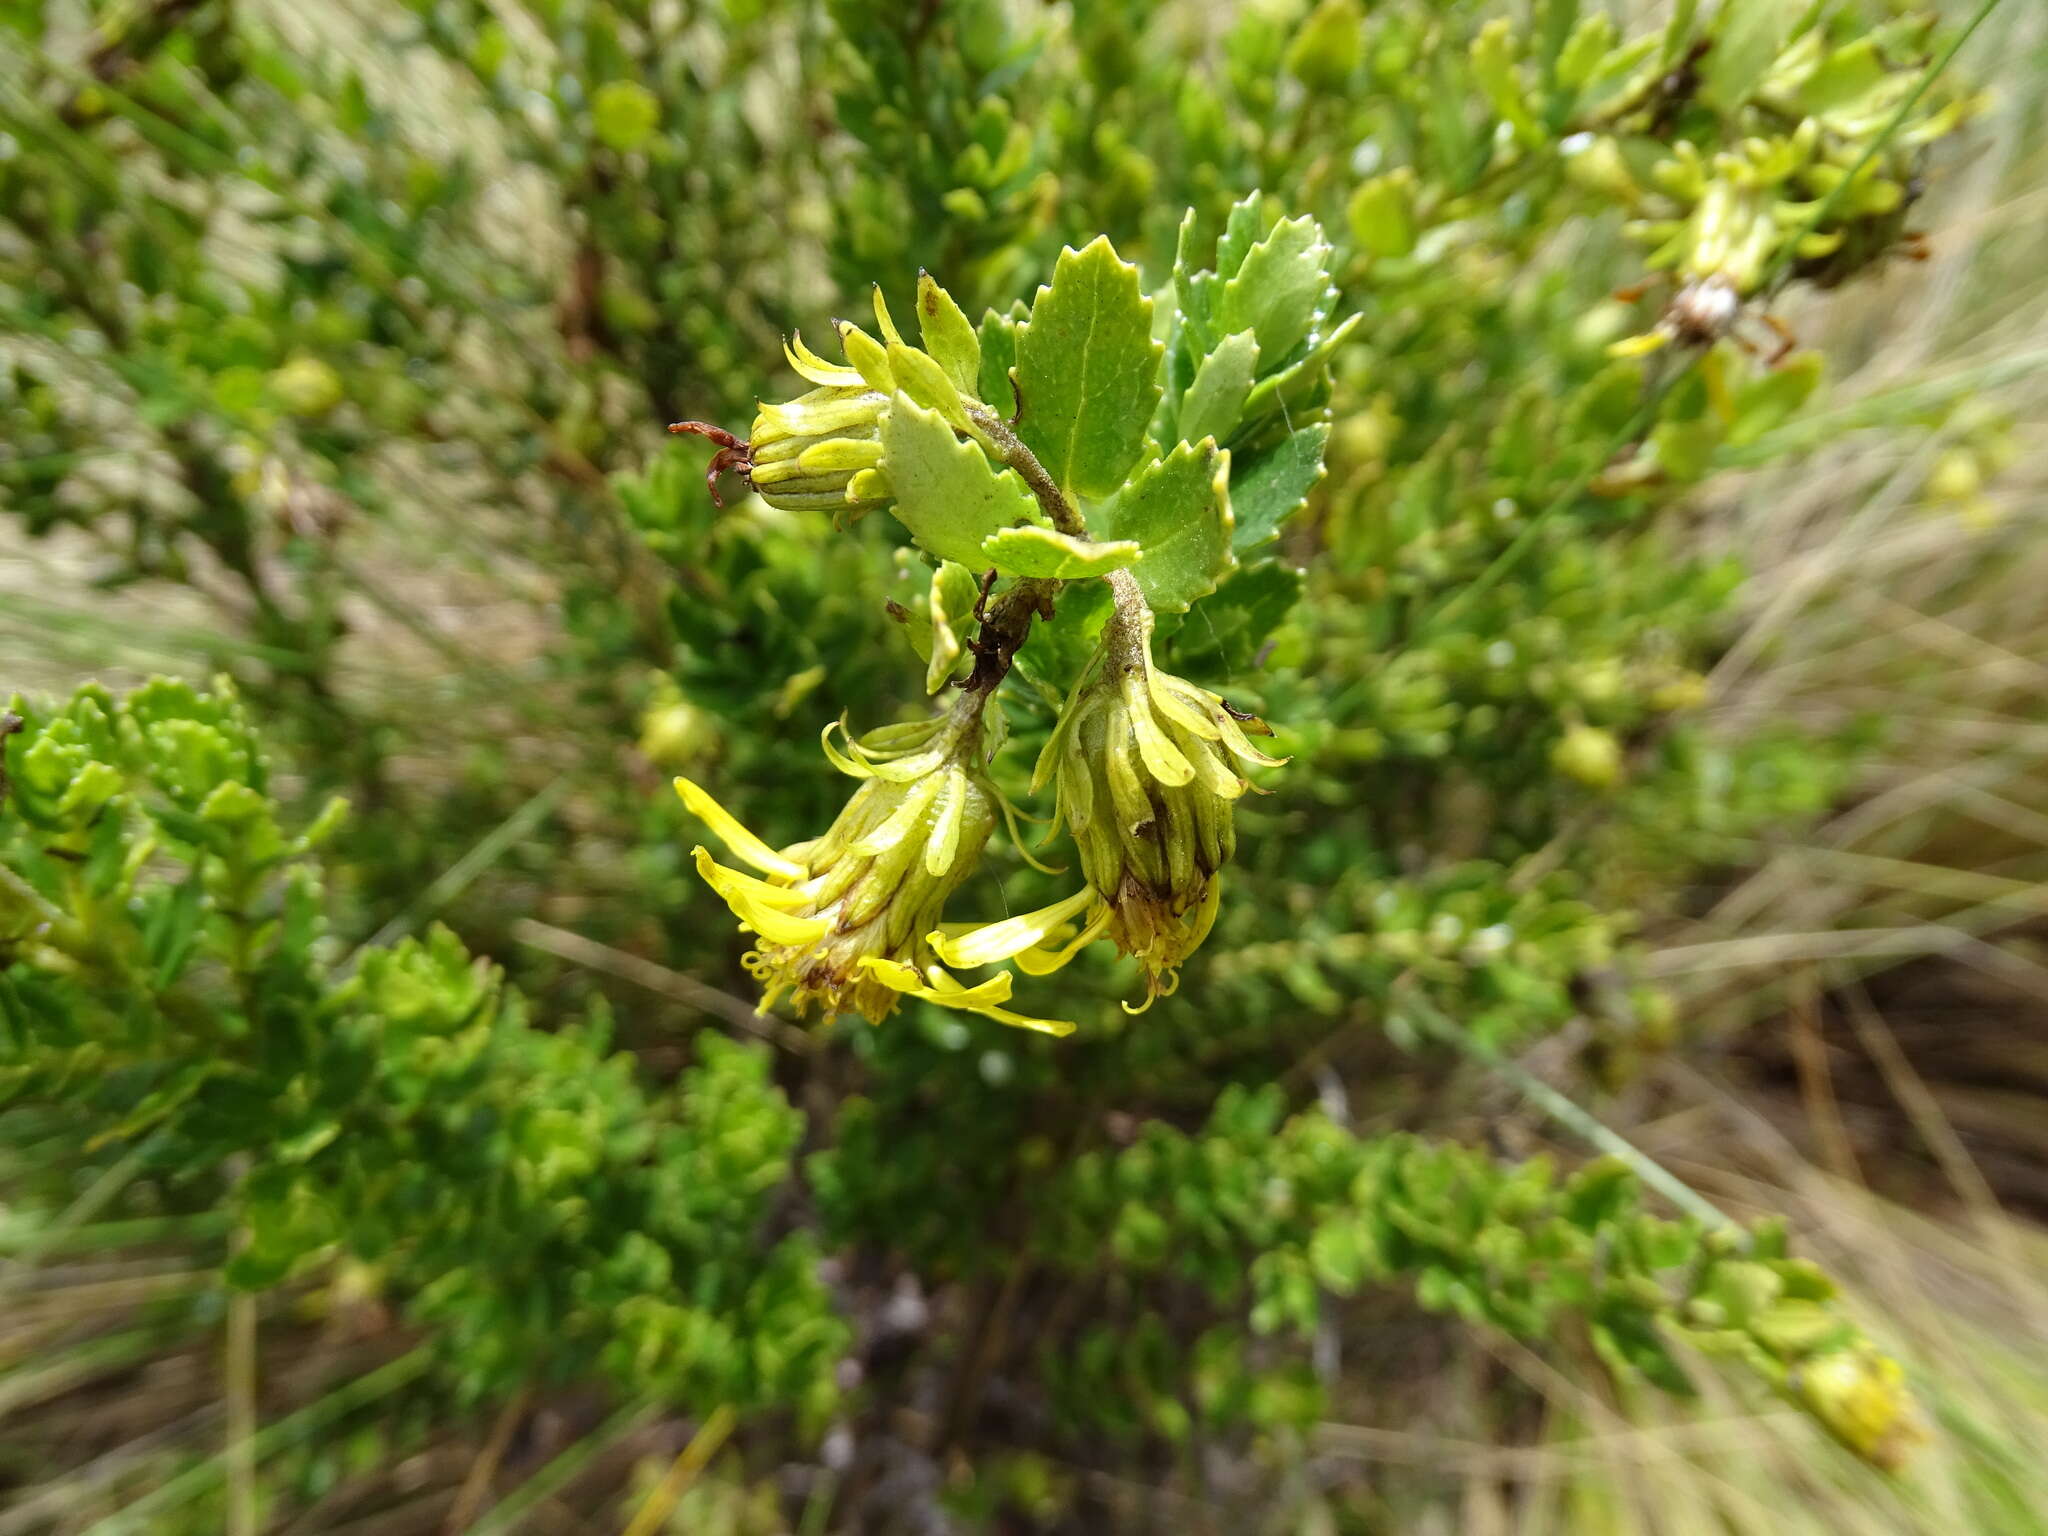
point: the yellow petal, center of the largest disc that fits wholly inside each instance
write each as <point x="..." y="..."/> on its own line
<point x="1182" y="709"/>
<point x="814" y="367"/>
<point x="942" y="846"/>
<point x="1239" y="743"/>
<point x="1010" y="818"/>
<point x="900" y="822"/>
<point x="947" y="993"/>
<point x="837" y="758"/>
<point x="839" y="454"/>
<point x="1638" y="346"/>
<point x="1162" y="758"/>
<point x="726" y="827"/>
<point x="882" y="318"/>
<point x="784" y="898"/>
<point x="937" y="986"/>
<point x="1000" y="940"/>
<point x="868" y="357"/>
<point x="1057" y="1028"/>
<point x="742" y="895"/>
<point x="1043" y="962"/>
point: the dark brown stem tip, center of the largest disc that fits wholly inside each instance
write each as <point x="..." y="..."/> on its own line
<point x="733" y="453"/>
<point x="718" y="435"/>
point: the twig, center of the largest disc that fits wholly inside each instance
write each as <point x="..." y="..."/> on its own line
<point x="642" y="972"/>
<point x="1572" y="1117"/>
<point x="241" y="1405"/>
<point x="563" y="1470"/>
<point x="661" y="1503"/>
<point x="306" y="1422"/>
<point x="458" y="877"/>
<point x="476" y="1486"/>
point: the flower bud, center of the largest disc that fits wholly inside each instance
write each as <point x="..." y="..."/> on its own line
<point x="1588" y="754"/>
<point x="844" y="920"/>
<point x="804" y="455"/>
<point x="1860" y="1396"/>
<point x="819" y="452"/>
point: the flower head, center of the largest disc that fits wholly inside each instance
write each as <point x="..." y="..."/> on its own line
<point x="843" y="920"/>
<point x="1144" y="764"/>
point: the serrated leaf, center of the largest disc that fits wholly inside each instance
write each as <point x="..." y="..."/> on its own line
<point x="1045" y="552"/>
<point x="1178" y="510"/>
<point x="947" y="335"/>
<point x="1194" y="291"/>
<point x="1283" y="289"/>
<point x="1299" y="388"/>
<point x="947" y="494"/>
<point x="1062" y="645"/>
<point x="1240" y="232"/>
<point x="1222" y="639"/>
<point x="1272" y="487"/>
<point x="1089" y="371"/>
<point x="1215" y="399"/>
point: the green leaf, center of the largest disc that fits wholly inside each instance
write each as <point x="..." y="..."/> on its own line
<point x="1242" y="228"/>
<point x="1339" y="1251"/>
<point x="998" y="357"/>
<point x="1298" y="389"/>
<point x="1494" y="53"/>
<point x="1747" y="37"/>
<point x="934" y="607"/>
<point x="1062" y="645"/>
<point x="1035" y="551"/>
<point x="1282" y="290"/>
<point x="1382" y="213"/>
<point x="947" y="494"/>
<point x="1193" y="290"/>
<point x="1223" y="639"/>
<point x="947" y="335"/>
<point x="1769" y="401"/>
<point x="1089" y="371"/>
<point x="1215" y="399"/>
<point x="1178" y="509"/>
<point x="1271" y="488"/>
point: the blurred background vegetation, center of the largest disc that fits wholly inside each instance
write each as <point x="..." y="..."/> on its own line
<point x="1669" y="780"/>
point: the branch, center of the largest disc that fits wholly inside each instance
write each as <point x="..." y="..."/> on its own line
<point x="1131" y="628"/>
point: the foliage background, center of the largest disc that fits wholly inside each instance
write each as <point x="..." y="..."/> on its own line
<point x="337" y="346"/>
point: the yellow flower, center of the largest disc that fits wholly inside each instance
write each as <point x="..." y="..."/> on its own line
<point x="843" y="920"/>
<point x="1143" y="761"/>
<point x="1860" y="1395"/>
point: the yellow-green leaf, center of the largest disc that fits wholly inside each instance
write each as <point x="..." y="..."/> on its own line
<point x="947" y="493"/>
<point x="1088" y="370"/>
<point x="1036" y="551"/>
<point x="1178" y="509"/>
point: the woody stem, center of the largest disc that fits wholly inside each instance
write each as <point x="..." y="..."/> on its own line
<point x="1131" y="628"/>
<point x="1011" y="450"/>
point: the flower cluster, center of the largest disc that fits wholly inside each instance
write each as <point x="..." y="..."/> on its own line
<point x="1143" y="765"/>
<point x="847" y="920"/>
